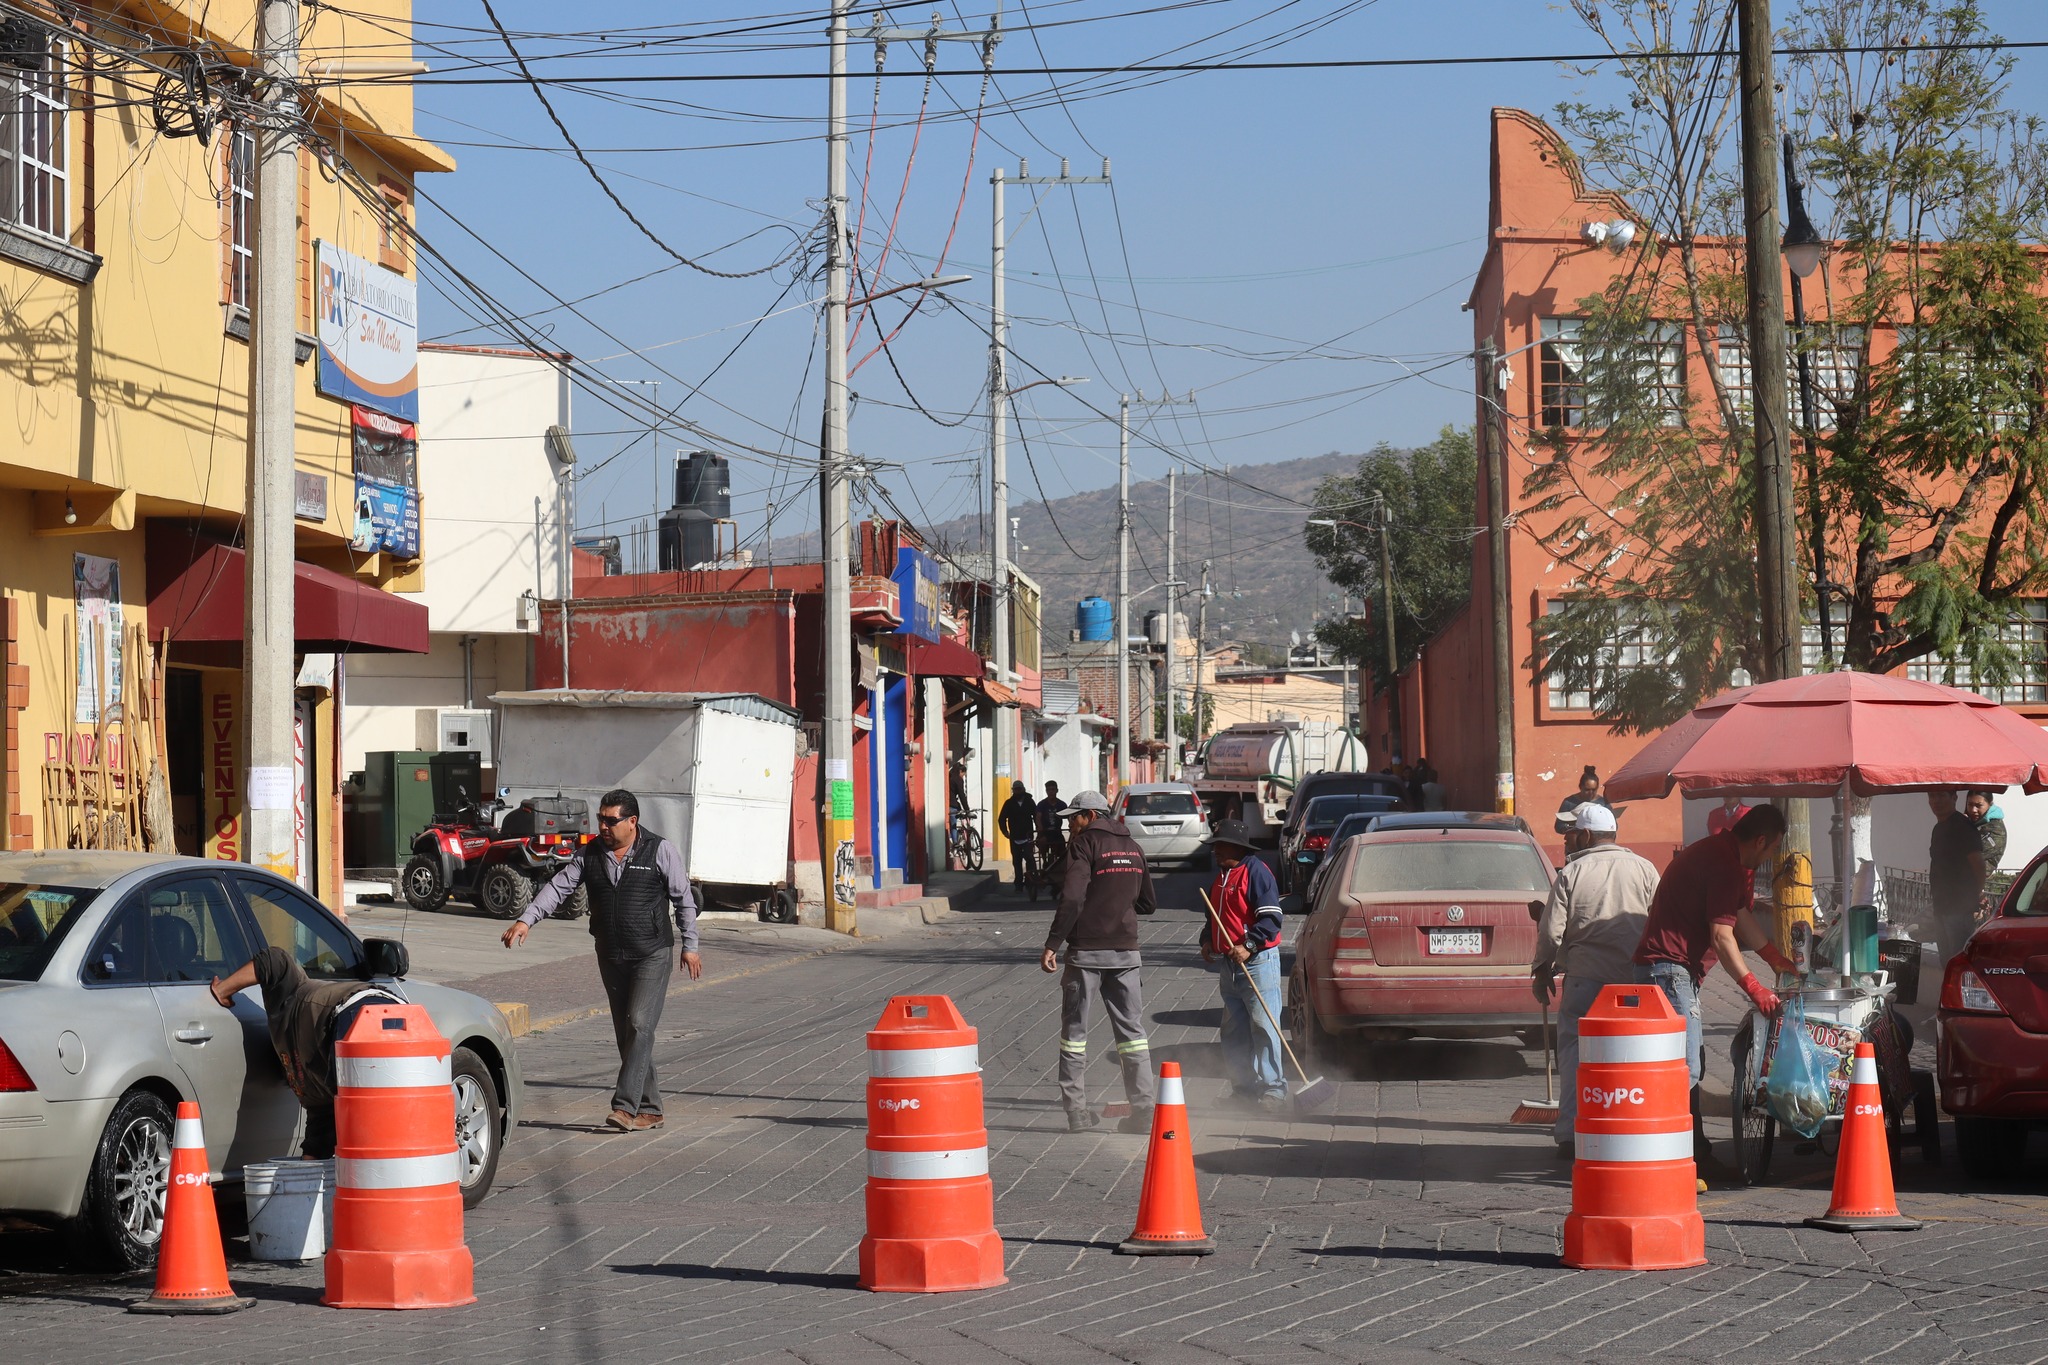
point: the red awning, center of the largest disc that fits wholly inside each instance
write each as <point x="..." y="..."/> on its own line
<point x="939" y="659"/>
<point x="202" y="602"/>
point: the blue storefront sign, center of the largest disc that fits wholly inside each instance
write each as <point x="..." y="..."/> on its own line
<point x="917" y="591"/>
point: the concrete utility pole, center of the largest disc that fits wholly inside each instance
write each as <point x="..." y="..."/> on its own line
<point x="836" y="814"/>
<point x="1201" y="648"/>
<point x="1123" y="591"/>
<point x="999" y="421"/>
<point x="1493" y="449"/>
<point x="1777" y="566"/>
<point x="1172" y="602"/>
<point x="1386" y="519"/>
<point x="270" y="636"/>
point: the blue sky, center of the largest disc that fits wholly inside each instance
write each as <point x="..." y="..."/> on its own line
<point x="1254" y="218"/>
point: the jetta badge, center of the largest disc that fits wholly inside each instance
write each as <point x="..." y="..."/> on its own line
<point x="1456" y="914"/>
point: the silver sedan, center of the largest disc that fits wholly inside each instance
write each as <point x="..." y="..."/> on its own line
<point x="1167" y="820"/>
<point x="107" y="1022"/>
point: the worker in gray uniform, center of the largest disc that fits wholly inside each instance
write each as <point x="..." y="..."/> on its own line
<point x="1107" y="887"/>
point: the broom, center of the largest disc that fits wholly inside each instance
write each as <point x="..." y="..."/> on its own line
<point x="1315" y="1092"/>
<point x="1545" y="1109"/>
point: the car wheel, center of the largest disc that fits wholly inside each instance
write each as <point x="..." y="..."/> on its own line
<point x="479" y="1125"/>
<point x="1314" y="1048"/>
<point x="504" y="891"/>
<point x="1756" y="1130"/>
<point x="421" y="882"/>
<point x="782" y="906"/>
<point x="576" y="906"/>
<point x="1990" y="1148"/>
<point x="122" y="1217"/>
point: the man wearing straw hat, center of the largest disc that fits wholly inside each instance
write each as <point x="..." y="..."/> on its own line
<point x="1245" y="930"/>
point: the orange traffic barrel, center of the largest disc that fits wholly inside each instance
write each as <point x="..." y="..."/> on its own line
<point x="397" y="1239"/>
<point x="191" y="1264"/>
<point x="1635" y="1197"/>
<point x="931" y="1205"/>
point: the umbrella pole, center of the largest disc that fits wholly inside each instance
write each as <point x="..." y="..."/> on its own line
<point x="1845" y="854"/>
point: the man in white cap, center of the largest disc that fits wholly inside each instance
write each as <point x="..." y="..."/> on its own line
<point x="1107" y="887"/>
<point x="1598" y="907"/>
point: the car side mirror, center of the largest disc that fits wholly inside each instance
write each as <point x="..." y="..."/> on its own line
<point x="1536" y="911"/>
<point x="385" y="957"/>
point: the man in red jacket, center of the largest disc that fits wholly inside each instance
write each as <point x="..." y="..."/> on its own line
<point x="1107" y="887"/>
<point x="1246" y="958"/>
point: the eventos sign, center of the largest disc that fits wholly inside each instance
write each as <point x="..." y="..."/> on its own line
<point x="369" y="333"/>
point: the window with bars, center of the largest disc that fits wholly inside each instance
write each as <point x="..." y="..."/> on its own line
<point x="1635" y="646"/>
<point x="241" y="151"/>
<point x="1929" y="369"/>
<point x="2025" y="633"/>
<point x="35" y="186"/>
<point x="1812" y="659"/>
<point x="1833" y="357"/>
<point x="1657" y="360"/>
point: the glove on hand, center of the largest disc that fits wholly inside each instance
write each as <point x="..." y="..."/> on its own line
<point x="1776" y="960"/>
<point x="1763" y="997"/>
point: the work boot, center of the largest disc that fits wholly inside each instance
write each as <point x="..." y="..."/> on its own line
<point x="1139" y="1120"/>
<point x="1081" y="1120"/>
<point x="1273" y="1102"/>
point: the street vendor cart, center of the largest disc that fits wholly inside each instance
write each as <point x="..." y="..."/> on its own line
<point x="1852" y="736"/>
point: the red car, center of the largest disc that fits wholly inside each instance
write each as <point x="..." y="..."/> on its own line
<point x="1422" y="932"/>
<point x="1993" y="1030"/>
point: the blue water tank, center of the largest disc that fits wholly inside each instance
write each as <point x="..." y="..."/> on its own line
<point x="1096" y="618"/>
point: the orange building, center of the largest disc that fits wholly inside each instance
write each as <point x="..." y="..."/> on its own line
<point x="1541" y="261"/>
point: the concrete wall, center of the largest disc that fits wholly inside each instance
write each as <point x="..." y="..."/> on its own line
<point x="384" y="693"/>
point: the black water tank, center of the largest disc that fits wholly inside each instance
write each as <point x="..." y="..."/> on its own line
<point x="689" y="530"/>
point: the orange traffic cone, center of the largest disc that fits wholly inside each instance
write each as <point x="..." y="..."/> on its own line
<point x="1863" y="1200"/>
<point x="191" y="1267"/>
<point x="1169" y="1205"/>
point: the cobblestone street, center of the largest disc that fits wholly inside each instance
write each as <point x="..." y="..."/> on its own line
<point x="1409" y="1223"/>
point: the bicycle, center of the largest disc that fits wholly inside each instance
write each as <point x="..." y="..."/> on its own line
<point x="1048" y="870"/>
<point x="963" y="840"/>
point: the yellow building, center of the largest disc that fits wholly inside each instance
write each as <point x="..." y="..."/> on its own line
<point x="124" y="374"/>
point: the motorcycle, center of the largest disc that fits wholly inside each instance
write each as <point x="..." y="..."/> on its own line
<point x="498" y="865"/>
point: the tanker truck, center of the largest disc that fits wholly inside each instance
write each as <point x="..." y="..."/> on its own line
<point x="1249" y="770"/>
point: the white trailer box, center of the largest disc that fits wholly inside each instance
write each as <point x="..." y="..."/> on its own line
<point x="712" y="771"/>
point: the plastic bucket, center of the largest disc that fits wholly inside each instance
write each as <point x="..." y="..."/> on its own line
<point x="290" y="1209"/>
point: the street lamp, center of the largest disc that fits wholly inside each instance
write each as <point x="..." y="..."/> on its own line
<point x="1065" y="381"/>
<point x="935" y="282"/>
<point x="1803" y="248"/>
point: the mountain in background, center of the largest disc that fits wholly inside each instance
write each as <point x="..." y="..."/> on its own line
<point x="1267" y="585"/>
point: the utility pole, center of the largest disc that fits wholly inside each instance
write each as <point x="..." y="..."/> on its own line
<point x="270" y="635"/>
<point x="1777" y="566"/>
<point x="999" y="470"/>
<point x="1386" y="519"/>
<point x="1172" y="604"/>
<point x="1201" y="648"/>
<point x="1123" y="591"/>
<point x="1493" y="448"/>
<point x="836" y="817"/>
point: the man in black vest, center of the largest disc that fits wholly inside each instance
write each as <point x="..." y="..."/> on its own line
<point x="636" y="881"/>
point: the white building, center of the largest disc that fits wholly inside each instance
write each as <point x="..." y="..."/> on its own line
<point x="493" y="512"/>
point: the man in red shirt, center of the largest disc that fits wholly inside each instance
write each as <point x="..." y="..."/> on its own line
<point x="1700" y="915"/>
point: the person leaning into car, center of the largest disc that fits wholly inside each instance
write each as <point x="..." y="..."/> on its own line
<point x="1590" y="928"/>
<point x="305" y="1018"/>
<point x="637" y="881"/>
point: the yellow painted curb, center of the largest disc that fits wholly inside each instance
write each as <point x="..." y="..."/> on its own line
<point x="515" y="1018"/>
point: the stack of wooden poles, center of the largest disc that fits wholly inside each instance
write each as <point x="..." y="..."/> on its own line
<point x="108" y="789"/>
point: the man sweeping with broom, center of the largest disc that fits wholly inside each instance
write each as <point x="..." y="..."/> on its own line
<point x="1598" y="907"/>
<point x="1242" y="941"/>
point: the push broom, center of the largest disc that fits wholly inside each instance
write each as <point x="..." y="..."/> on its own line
<point x="1315" y="1093"/>
<point x="1545" y="1109"/>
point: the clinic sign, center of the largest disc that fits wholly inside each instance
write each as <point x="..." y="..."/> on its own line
<point x="917" y="593"/>
<point x="368" y="326"/>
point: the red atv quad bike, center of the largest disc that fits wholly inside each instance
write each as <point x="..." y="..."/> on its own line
<point x="497" y="865"/>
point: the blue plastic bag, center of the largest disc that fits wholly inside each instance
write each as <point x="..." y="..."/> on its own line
<point x="1797" y="1090"/>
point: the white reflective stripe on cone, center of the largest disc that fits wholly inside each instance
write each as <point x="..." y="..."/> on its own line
<point x="188" y="1134"/>
<point x="896" y="1063"/>
<point x="1632" y="1047"/>
<point x="397" y="1172"/>
<point x="1171" y="1091"/>
<point x="1865" y="1072"/>
<point x="957" y="1165"/>
<point x="373" y="1073"/>
<point x="1672" y="1146"/>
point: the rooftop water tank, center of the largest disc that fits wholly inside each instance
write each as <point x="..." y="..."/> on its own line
<point x="1095" y="617"/>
